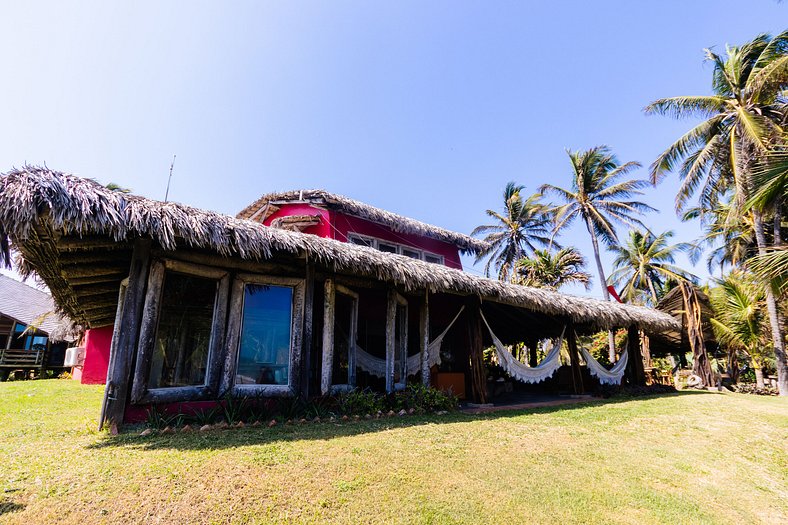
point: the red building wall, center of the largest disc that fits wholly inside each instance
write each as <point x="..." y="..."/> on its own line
<point x="97" y="343"/>
<point x="321" y="230"/>
<point x="345" y="224"/>
<point x="337" y="226"/>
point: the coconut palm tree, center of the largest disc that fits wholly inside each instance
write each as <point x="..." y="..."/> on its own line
<point x="728" y="234"/>
<point x="553" y="270"/>
<point x="742" y="122"/>
<point x="523" y="225"/>
<point x="645" y="262"/>
<point x="601" y="197"/>
<point x="740" y="322"/>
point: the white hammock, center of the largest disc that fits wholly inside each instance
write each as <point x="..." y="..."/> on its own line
<point x="377" y="367"/>
<point x="605" y="376"/>
<point x="522" y="372"/>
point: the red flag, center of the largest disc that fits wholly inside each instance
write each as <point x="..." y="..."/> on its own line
<point x="614" y="294"/>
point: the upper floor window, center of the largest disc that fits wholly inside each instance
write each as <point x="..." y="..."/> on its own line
<point x="390" y="247"/>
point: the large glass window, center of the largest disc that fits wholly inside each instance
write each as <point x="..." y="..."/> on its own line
<point x="264" y="345"/>
<point x="180" y="353"/>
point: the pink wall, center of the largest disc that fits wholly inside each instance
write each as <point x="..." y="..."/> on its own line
<point x="344" y="224"/>
<point x="321" y="230"/>
<point x="97" y="343"/>
<point x="337" y="226"/>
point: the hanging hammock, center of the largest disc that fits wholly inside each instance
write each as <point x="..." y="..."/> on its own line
<point x="522" y="372"/>
<point x="377" y="367"/>
<point x="605" y="376"/>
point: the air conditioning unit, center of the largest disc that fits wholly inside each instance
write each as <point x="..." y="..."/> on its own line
<point x="75" y="356"/>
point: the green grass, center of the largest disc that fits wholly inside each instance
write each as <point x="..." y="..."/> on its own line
<point x="689" y="458"/>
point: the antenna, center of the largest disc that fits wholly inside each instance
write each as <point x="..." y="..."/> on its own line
<point x="167" y="193"/>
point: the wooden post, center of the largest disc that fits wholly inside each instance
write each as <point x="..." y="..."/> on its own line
<point x="306" y="340"/>
<point x="391" y="323"/>
<point x="574" y="359"/>
<point x="148" y="328"/>
<point x="533" y="357"/>
<point x="118" y="380"/>
<point x="402" y="335"/>
<point x="424" y="338"/>
<point x="635" y="372"/>
<point x="328" y="337"/>
<point x="476" y="353"/>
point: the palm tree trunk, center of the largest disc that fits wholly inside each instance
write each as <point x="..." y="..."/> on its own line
<point x="611" y="340"/>
<point x="774" y="315"/>
<point x="759" y="377"/>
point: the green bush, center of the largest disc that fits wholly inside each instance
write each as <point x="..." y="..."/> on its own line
<point x="423" y="399"/>
<point x="359" y="402"/>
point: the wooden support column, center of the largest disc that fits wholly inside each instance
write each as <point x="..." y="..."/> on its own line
<point x="306" y="340"/>
<point x="148" y="328"/>
<point x="424" y="338"/>
<point x="636" y="375"/>
<point x="574" y="359"/>
<point x="533" y="356"/>
<point x="402" y="338"/>
<point x="391" y="324"/>
<point x="120" y="373"/>
<point x="476" y="353"/>
<point x="329" y="305"/>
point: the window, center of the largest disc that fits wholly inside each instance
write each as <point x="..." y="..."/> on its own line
<point x="386" y="247"/>
<point x="432" y="258"/>
<point x="409" y="252"/>
<point x="361" y="241"/>
<point x="182" y="346"/>
<point x="390" y="247"/>
<point x="266" y="333"/>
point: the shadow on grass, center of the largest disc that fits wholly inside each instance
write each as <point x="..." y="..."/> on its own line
<point x="7" y="506"/>
<point x="324" y="431"/>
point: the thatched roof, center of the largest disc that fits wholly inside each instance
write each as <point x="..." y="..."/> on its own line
<point x="397" y="223"/>
<point x="46" y="214"/>
<point x="29" y="306"/>
<point x="675" y="340"/>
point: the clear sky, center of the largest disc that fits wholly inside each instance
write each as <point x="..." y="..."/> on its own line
<point x="423" y="108"/>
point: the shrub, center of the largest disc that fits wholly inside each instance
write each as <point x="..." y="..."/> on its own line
<point x="751" y="388"/>
<point x="423" y="399"/>
<point x="359" y="402"/>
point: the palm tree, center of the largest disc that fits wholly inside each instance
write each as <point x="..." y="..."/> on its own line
<point x="739" y="320"/>
<point x="728" y="234"/>
<point x="553" y="270"/>
<point x="741" y="124"/>
<point x="645" y="263"/>
<point x="523" y="225"/>
<point x="600" y="198"/>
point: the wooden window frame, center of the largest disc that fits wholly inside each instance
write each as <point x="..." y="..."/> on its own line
<point x="233" y="339"/>
<point x="329" y="350"/>
<point x="371" y="241"/>
<point x="140" y="393"/>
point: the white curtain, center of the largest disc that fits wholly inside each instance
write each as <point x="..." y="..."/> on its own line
<point x="522" y="372"/>
<point x="605" y="376"/>
<point x="377" y="367"/>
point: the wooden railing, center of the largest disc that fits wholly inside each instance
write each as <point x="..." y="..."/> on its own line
<point x="21" y="358"/>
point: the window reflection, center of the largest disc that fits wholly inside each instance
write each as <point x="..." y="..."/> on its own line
<point x="264" y="347"/>
<point x="180" y="354"/>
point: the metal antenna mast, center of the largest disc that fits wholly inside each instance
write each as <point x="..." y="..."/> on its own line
<point x="167" y="193"/>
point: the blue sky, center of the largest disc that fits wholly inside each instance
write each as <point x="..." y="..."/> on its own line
<point x="423" y="108"/>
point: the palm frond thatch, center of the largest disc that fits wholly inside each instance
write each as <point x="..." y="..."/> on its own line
<point x="40" y="207"/>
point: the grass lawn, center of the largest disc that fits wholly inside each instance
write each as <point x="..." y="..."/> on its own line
<point x="688" y="458"/>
